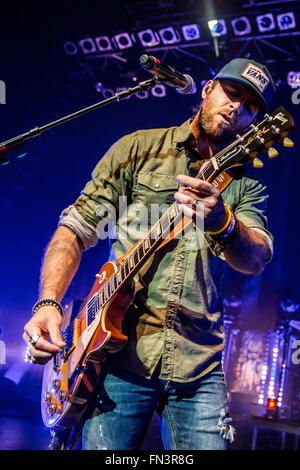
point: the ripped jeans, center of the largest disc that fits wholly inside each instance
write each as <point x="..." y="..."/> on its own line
<point x="192" y="416"/>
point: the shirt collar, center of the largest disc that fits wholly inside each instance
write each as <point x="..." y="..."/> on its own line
<point x="184" y="137"/>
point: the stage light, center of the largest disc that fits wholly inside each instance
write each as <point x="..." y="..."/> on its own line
<point x="142" y="95"/>
<point x="241" y="26"/>
<point x="169" y="35"/>
<point x="217" y="28"/>
<point x="99" y="87"/>
<point x="70" y="48"/>
<point x="123" y="40"/>
<point x="272" y="410"/>
<point x="293" y="79"/>
<point x="265" y="22"/>
<point x="107" y="93"/>
<point x="191" y="32"/>
<point x="159" y="91"/>
<point x="286" y="21"/>
<point x="87" y="45"/>
<point x="103" y="43"/>
<point x="148" y="38"/>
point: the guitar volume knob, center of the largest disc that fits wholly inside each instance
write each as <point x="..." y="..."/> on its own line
<point x="62" y="396"/>
<point x="56" y="384"/>
<point x="52" y="408"/>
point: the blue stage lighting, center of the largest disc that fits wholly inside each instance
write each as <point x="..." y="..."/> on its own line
<point x="286" y="21"/>
<point x="265" y="22"/>
<point x="148" y="38"/>
<point x="217" y="28"/>
<point x="241" y="26"/>
<point x="191" y="32"/>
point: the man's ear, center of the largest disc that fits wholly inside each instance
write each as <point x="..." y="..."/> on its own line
<point x="206" y="88"/>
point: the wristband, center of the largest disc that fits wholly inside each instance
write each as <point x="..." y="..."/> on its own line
<point x="42" y="302"/>
<point x="223" y="241"/>
<point x="225" y="225"/>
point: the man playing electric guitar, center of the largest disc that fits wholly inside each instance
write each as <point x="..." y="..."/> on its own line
<point x="172" y="360"/>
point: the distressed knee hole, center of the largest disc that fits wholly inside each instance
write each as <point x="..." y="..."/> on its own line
<point x="226" y="429"/>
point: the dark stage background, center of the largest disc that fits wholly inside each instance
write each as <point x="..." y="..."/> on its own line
<point x="44" y="82"/>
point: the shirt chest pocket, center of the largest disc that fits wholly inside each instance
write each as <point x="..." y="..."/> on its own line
<point x="154" y="189"/>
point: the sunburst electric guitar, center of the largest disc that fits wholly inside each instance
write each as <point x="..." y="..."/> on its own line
<point x="93" y="327"/>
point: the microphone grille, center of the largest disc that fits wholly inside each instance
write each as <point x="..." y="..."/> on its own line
<point x="190" y="87"/>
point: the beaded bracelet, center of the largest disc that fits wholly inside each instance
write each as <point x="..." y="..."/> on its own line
<point x="42" y="302"/>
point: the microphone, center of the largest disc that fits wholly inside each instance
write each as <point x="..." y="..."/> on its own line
<point x="183" y="83"/>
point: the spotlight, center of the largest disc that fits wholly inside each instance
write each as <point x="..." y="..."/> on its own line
<point x="148" y="38"/>
<point x="103" y="43"/>
<point x="191" y="32"/>
<point x="70" y="48"/>
<point x="241" y="26"/>
<point x="169" y="35"/>
<point x="293" y="79"/>
<point x="272" y="409"/>
<point x="87" y="45"/>
<point x="265" y="22"/>
<point x="142" y="95"/>
<point x="159" y="91"/>
<point x="286" y="21"/>
<point x="217" y="28"/>
<point x="123" y="40"/>
<point x="107" y="93"/>
<point x="99" y="87"/>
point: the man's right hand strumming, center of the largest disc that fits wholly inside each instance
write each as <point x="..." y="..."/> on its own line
<point x="45" y="327"/>
<point x="42" y="331"/>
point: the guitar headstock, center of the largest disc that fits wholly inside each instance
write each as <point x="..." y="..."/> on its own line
<point x="261" y="136"/>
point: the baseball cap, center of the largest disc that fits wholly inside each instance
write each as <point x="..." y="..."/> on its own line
<point x="253" y="74"/>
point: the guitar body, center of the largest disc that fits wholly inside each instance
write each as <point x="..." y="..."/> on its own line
<point x="69" y="380"/>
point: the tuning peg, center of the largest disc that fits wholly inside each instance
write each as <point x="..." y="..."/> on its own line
<point x="288" y="142"/>
<point x="257" y="163"/>
<point x="272" y="153"/>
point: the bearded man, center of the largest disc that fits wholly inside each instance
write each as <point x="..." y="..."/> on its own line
<point x="171" y="363"/>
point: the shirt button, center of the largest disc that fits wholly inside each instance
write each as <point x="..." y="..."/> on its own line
<point x="157" y="185"/>
<point x="169" y="324"/>
<point x="174" y="291"/>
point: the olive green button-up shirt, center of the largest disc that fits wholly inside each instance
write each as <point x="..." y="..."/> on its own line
<point x="176" y="317"/>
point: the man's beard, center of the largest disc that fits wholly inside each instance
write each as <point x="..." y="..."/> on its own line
<point x="205" y="122"/>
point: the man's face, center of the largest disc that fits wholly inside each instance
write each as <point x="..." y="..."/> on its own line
<point x="228" y="108"/>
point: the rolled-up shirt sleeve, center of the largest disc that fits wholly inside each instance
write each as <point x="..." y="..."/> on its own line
<point x="251" y="209"/>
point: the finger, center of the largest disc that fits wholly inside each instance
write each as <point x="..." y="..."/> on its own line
<point x="197" y="184"/>
<point x="42" y="344"/>
<point x="193" y="192"/>
<point x="183" y="198"/>
<point x="54" y="333"/>
<point x="190" y="199"/>
<point x="38" y="354"/>
<point x="41" y="360"/>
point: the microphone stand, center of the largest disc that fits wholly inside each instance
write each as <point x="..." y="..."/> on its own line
<point x="36" y="131"/>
